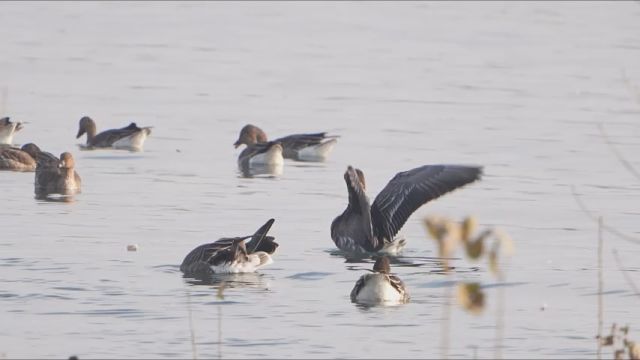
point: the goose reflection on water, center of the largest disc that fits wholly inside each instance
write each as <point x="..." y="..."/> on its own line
<point x="261" y="170"/>
<point x="239" y="280"/>
<point x="55" y="198"/>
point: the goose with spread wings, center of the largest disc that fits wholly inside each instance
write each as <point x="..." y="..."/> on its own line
<point x="130" y="137"/>
<point x="365" y="228"/>
<point x="302" y="147"/>
<point x="231" y="255"/>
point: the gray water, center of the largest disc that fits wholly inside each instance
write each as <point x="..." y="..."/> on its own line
<point x="519" y="88"/>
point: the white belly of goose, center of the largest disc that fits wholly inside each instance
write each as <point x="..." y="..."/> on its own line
<point x="254" y="262"/>
<point x="271" y="157"/>
<point x="317" y="153"/>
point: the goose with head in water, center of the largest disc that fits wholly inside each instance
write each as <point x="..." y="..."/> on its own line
<point x="232" y="255"/>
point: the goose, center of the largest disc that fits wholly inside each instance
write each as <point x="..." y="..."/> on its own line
<point x="56" y="176"/>
<point x="130" y="137"/>
<point x="302" y="147"/>
<point x="232" y="255"/>
<point x="365" y="228"/>
<point x="379" y="287"/>
<point x="8" y="129"/>
<point x="19" y="159"/>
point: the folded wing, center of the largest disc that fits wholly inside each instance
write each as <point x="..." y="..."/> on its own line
<point x="108" y="137"/>
<point x="300" y="141"/>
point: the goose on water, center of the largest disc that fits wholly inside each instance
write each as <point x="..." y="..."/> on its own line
<point x="232" y="255"/>
<point x="130" y="137"/>
<point x="301" y="147"/>
<point x="380" y="286"/>
<point x="19" y="159"/>
<point x="56" y="175"/>
<point x="364" y="228"/>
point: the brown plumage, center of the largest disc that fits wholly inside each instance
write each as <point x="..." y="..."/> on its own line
<point x="302" y="147"/>
<point x="56" y="176"/>
<point x="380" y="287"/>
<point x="22" y="159"/>
<point x="130" y="137"/>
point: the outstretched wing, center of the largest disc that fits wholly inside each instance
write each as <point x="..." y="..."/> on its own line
<point x="409" y="190"/>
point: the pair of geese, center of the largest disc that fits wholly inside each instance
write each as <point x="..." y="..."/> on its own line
<point x="55" y="175"/>
<point x="363" y="229"/>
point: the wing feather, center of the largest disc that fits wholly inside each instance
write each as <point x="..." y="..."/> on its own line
<point x="409" y="190"/>
<point x="108" y="137"/>
<point x="300" y="141"/>
<point x="205" y="252"/>
<point x="17" y="155"/>
<point x="357" y="288"/>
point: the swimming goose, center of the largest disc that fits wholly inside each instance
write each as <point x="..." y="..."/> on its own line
<point x="130" y="137"/>
<point x="19" y="159"/>
<point x="232" y="255"/>
<point x="365" y="228"/>
<point x="379" y="287"/>
<point x="267" y="153"/>
<point x="56" y="176"/>
<point x="8" y="129"/>
<point x="302" y="147"/>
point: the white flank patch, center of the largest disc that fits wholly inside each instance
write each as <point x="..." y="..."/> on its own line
<point x="272" y="157"/>
<point x="251" y="265"/>
<point x="134" y="142"/>
<point x="317" y="153"/>
<point x="6" y="134"/>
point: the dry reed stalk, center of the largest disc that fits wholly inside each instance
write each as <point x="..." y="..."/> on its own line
<point x="192" y="332"/>
<point x="600" y="286"/>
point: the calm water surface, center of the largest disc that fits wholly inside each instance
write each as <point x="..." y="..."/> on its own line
<point x="516" y="87"/>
